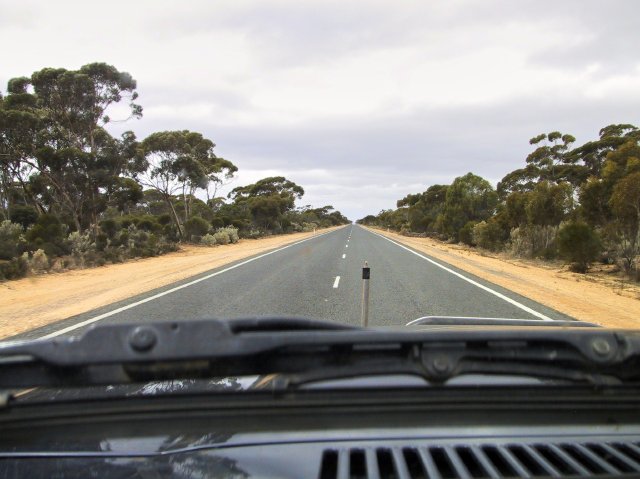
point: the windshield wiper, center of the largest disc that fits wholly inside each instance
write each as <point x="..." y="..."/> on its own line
<point x="304" y="351"/>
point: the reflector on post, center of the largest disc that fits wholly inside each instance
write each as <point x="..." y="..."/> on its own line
<point x="366" y="275"/>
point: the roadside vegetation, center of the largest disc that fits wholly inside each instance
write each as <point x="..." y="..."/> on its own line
<point x="580" y="204"/>
<point x="73" y="195"/>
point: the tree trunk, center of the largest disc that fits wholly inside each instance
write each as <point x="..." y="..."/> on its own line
<point x="176" y="220"/>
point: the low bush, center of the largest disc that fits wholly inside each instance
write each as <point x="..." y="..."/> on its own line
<point x="109" y="227"/>
<point x="232" y="232"/>
<point x="39" y="262"/>
<point x="534" y="241"/>
<point x="465" y="234"/>
<point x="80" y="243"/>
<point x="222" y="237"/>
<point x="487" y="235"/>
<point x="579" y="244"/>
<point x="23" y="215"/>
<point x="253" y="233"/>
<point x="11" y="240"/>
<point x="14" y="269"/>
<point x="208" y="240"/>
<point x="48" y="233"/>
<point x="196" y="226"/>
<point x="308" y="227"/>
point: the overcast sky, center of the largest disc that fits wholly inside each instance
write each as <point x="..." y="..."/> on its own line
<point x="359" y="102"/>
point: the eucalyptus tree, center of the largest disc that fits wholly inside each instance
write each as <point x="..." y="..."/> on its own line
<point x="181" y="162"/>
<point x="267" y="200"/>
<point x="73" y="162"/>
<point x="469" y="198"/>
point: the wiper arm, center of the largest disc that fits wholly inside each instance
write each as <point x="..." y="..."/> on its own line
<point x="438" y="365"/>
<point x="308" y="350"/>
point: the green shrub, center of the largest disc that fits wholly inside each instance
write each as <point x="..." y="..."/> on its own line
<point x="579" y="244"/>
<point x="102" y="241"/>
<point x="487" y="235"/>
<point x="80" y="243"/>
<point x="253" y="233"/>
<point x="164" y="219"/>
<point x="121" y="239"/>
<point x="217" y="222"/>
<point x="196" y="226"/>
<point x="10" y="240"/>
<point x="14" y="269"/>
<point x="466" y="233"/>
<point x="222" y="237"/>
<point x="113" y="254"/>
<point x="48" y="233"/>
<point x="170" y="232"/>
<point x="232" y="232"/>
<point x="240" y="224"/>
<point x="534" y="241"/>
<point x="308" y="227"/>
<point x="109" y="227"/>
<point x="149" y="223"/>
<point x="23" y="215"/>
<point x="39" y="262"/>
<point x="208" y="240"/>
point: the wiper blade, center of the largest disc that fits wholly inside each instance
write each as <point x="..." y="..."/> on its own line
<point x="311" y="350"/>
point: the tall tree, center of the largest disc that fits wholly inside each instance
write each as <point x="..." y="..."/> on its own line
<point x="548" y="159"/>
<point x="268" y="199"/>
<point x="593" y="154"/>
<point x="625" y="203"/>
<point x="73" y="160"/>
<point x="181" y="162"/>
<point x="469" y="198"/>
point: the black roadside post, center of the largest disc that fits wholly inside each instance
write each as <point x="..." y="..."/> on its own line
<point x="366" y="274"/>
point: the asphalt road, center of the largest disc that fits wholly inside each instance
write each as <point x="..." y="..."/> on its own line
<point x="321" y="278"/>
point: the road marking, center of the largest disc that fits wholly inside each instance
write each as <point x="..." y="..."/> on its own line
<point x="336" y="282"/>
<point x="469" y="280"/>
<point x="344" y="256"/>
<point x="173" y="290"/>
<point x="346" y="246"/>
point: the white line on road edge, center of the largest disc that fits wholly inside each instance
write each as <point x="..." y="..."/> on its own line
<point x="336" y="282"/>
<point x="344" y="256"/>
<point x="469" y="280"/>
<point x="172" y="290"/>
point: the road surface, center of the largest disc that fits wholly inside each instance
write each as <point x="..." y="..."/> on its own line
<point x="320" y="278"/>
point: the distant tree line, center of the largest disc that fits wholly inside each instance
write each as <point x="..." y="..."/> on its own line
<point x="71" y="190"/>
<point x="578" y="203"/>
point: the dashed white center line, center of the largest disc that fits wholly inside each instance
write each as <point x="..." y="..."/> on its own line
<point x="336" y="282"/>
<point x="344" y="256"/>
<point x="346" y="246"/>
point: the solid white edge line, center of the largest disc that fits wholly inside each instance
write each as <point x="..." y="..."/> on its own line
<point x="172" y="290"/>
<point x="469" y="280"/>
<point x="336" y="282"/>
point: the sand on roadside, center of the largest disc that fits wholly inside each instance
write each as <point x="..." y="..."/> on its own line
<point x="36" y="301"/>
<point x="585" y="297"/>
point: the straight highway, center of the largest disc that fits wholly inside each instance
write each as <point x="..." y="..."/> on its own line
<point x="320" y="277"/>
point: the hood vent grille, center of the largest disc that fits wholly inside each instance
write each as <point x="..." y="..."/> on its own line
<point x="483" y="461"/>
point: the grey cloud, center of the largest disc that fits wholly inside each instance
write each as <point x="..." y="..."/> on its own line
<point x="613" y="32"/>
<point x="300" y="33"/>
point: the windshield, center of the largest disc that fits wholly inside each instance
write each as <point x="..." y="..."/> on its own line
<point x="368" y="164"/>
